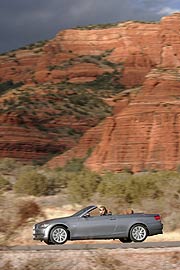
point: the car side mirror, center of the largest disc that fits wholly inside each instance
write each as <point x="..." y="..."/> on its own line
<point x="86" y="215"/>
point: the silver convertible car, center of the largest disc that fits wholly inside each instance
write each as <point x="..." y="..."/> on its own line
<point x="87" y="224"/>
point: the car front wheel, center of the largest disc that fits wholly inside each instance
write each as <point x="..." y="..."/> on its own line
<point x="138" y="233"/>
<point x="48" y="242"/>
<point x="58" y="235"/>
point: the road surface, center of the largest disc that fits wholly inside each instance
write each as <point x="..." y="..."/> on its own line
<point x="90" y="246"/>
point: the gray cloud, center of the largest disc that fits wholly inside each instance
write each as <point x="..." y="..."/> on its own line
<point x="24" y="22"/>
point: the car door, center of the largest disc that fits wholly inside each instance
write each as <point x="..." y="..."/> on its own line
<point x="95" y="227"/>
<point x="123" y="222"/>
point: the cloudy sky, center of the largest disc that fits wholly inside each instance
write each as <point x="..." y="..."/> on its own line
<point x="23" y="22"/>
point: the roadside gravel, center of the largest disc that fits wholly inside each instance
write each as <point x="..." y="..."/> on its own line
<point x="130" y="259"/>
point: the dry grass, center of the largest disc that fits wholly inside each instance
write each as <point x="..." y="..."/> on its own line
<point x="15" y="215"/>
<point x="25" y="210"/>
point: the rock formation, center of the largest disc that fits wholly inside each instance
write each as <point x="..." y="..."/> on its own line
<point x="145" y="135"/>
<point x="143" y="132"/>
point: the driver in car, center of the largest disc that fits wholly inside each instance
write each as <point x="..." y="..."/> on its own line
<point x="103" y="211"/>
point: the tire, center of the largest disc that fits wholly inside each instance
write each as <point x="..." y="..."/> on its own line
<point x="48" y="242"/>
<point x="125" y="240"/>
<point x="58" y="235"/>
<point x="138" y="233"/>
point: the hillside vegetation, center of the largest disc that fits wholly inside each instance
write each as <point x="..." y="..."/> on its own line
<point x="60" y="112"/>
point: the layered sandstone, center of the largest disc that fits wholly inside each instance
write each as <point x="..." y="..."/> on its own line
<point x="85" y="146"/>
<point x="32" y="128"/>
<point x="143" y="131"/>
<point x="135" y="45"/>
<point x="142" y="135"/>
<point x="28" y="144"/>
<point x="145" y="135"/>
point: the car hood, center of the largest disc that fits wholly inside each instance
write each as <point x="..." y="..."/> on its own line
<point x="54" y="220"/>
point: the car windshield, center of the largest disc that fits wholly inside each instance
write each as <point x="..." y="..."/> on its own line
<point x="84" y="210"/>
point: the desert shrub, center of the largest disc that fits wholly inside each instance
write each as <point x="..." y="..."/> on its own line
<point x="145" y="191"/>
<point x="81" y="99"/>
<point x="112" y="185"/>
<point x="83" y="185"/>
<point x="8" y="85"/>
<point x="171" y="221"/>
<point x="160" y="192"/>
<point x="4" y="184"/>
<point x="108" y="81"/>
<point x="74" y="165"/>
<point x="16" y="213"/>
<point x="138" y="187"/>
<point x="97" y="26"/>
<point x="8" y="165"/>
<point x="59" y="177"/>
<point x="33" y="183"/>
<point x="128" y="188"/>
<point x="167" y="180"/>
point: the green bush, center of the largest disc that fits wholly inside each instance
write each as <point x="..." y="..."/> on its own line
<point x="112" y="185"/>
<point x="33" y="183"/>
<point x="59" y="178"/>
<point x="8" y="85"/>
<point x="129" y="188"/>
<point x="8" y="165"/>
<point x="74" y="165"/>
<point x="133" y="189"/>
<point x="4" y="184"/>
<point x="83" y="185"/>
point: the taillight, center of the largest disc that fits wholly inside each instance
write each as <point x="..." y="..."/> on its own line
<point x="157" y="217"/>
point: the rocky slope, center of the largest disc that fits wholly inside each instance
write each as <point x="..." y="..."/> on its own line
<point x="142" y="133"/>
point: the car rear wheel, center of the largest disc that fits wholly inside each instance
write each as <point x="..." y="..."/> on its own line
<point x="58" y="235"/>
<point x="125" y="240"/>
<point x="138" y="233"/>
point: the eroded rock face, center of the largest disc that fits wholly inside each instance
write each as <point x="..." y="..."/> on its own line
<point x="133" y="47"/>
<point x="85" y="146"/>
<point x="145" y="135"/>
<point x="143" y="132"/>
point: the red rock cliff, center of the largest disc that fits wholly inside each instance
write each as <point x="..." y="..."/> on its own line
<point x="134" y="47"/>
<point x="144" y="127"/>
<point x="146" y="134"/>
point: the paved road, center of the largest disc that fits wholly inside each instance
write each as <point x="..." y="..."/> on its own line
<point x="94" y="246"/>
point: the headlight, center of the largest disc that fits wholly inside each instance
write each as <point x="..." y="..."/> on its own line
<point x="44" y="225"/>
